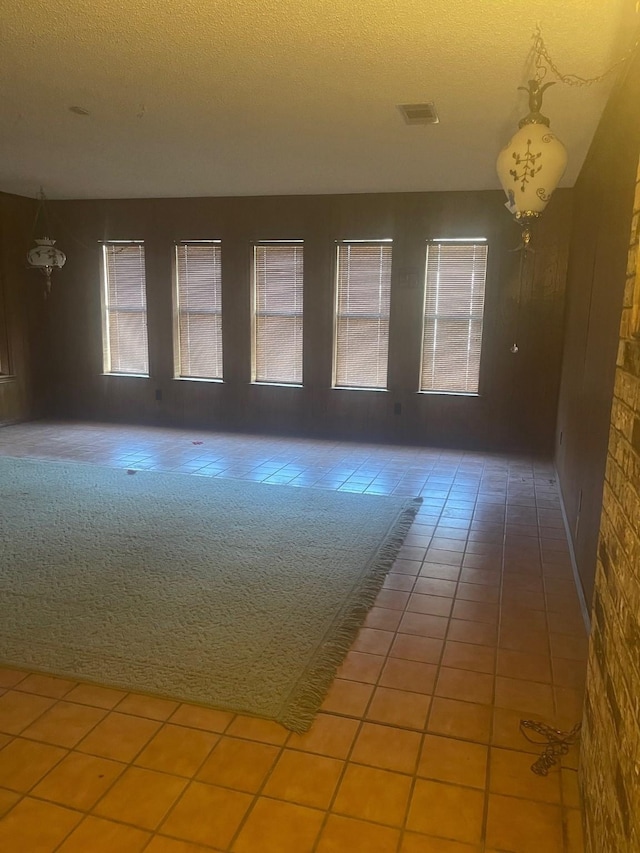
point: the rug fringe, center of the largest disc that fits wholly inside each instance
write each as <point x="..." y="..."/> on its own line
<point x="303" y="705"/>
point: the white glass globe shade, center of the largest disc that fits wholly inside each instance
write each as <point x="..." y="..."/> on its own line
<point x="530" y="168"/>
<point x="44" y="255"/>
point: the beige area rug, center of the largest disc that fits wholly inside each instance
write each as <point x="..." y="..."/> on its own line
<point x="238" y="595"/>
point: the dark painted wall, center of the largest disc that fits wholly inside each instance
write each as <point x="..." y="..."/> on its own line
<point x="517" y="405"/>
<point x="22" y="311"/>
<point x="603" y="203"/>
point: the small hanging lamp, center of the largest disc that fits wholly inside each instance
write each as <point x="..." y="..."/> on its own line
<point x="532" y="163"/>
<point x="44" y="256"/>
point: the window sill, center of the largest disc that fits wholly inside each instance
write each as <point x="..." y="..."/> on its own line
<point x="263" y="383"/>
<point x="128" y="375"/>
<point x="450" y="393"/>
<point x="7" y="377"/>
<point x="359" y="388"/>
<point x="198" y="379"/>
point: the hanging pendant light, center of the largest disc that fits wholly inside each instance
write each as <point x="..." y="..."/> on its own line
<point x="530" y="167"/>
<point x="44" y="256"/>
<point x="532" y="163"/>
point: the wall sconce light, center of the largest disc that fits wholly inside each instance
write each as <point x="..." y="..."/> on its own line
<point x="44" y="256"/>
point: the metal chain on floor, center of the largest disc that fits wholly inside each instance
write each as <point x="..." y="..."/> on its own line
<point x="555" y="743"/>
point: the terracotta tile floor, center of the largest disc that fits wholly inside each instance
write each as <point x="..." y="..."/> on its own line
<point x="417" y="748"/>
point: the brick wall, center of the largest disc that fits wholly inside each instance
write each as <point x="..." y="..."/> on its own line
<point x="610" y="757"/>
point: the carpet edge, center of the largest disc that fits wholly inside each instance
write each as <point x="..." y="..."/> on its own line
<point x="304" y="703"/>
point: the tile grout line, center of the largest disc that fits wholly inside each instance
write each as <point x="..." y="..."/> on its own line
<point x="487" y="786"/>
<point x="404" y="829"/>
<point x="362" y="719"/>
<point x="126" y="766"/>
<point x="565" y="837"/>
<point x="361" y="722"/>
<point x="74" y="749"/>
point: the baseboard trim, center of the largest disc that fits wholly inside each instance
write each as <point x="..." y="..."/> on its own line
<point x="586" y="616"/>
<point x="13" y="421"/>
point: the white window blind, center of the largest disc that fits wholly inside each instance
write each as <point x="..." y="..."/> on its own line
<point x="125" y="343"/>
<point x="362" y="315"/>
<point x="278" y="280"/>
<point x="453" y="311"/>
<point x="198" y="272"/>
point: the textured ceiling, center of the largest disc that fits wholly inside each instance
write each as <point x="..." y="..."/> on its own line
<point x="263" y="97"/>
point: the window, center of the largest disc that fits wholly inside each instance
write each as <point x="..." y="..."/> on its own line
<point x="453" y="309"/>
<point x="278" y="297"/>
<point x="124" y="316"/>
<point x="198" y="318"/>
<point x="362" y="314"/>
<point x="5" y="367"/>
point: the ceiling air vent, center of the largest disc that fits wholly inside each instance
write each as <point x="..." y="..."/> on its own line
<point x="419" y="113"/>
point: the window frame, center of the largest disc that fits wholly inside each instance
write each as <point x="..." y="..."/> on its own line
<point x="468" y="241"/>
<point x="177" y="353"/>
<point x="283" y="243"/>
<point x="376" y="241"/>
<point x="105" y="310"/>
<point x="6" y="365"/>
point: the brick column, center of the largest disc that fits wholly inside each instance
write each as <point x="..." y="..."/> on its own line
<point x="610" y="756"/>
